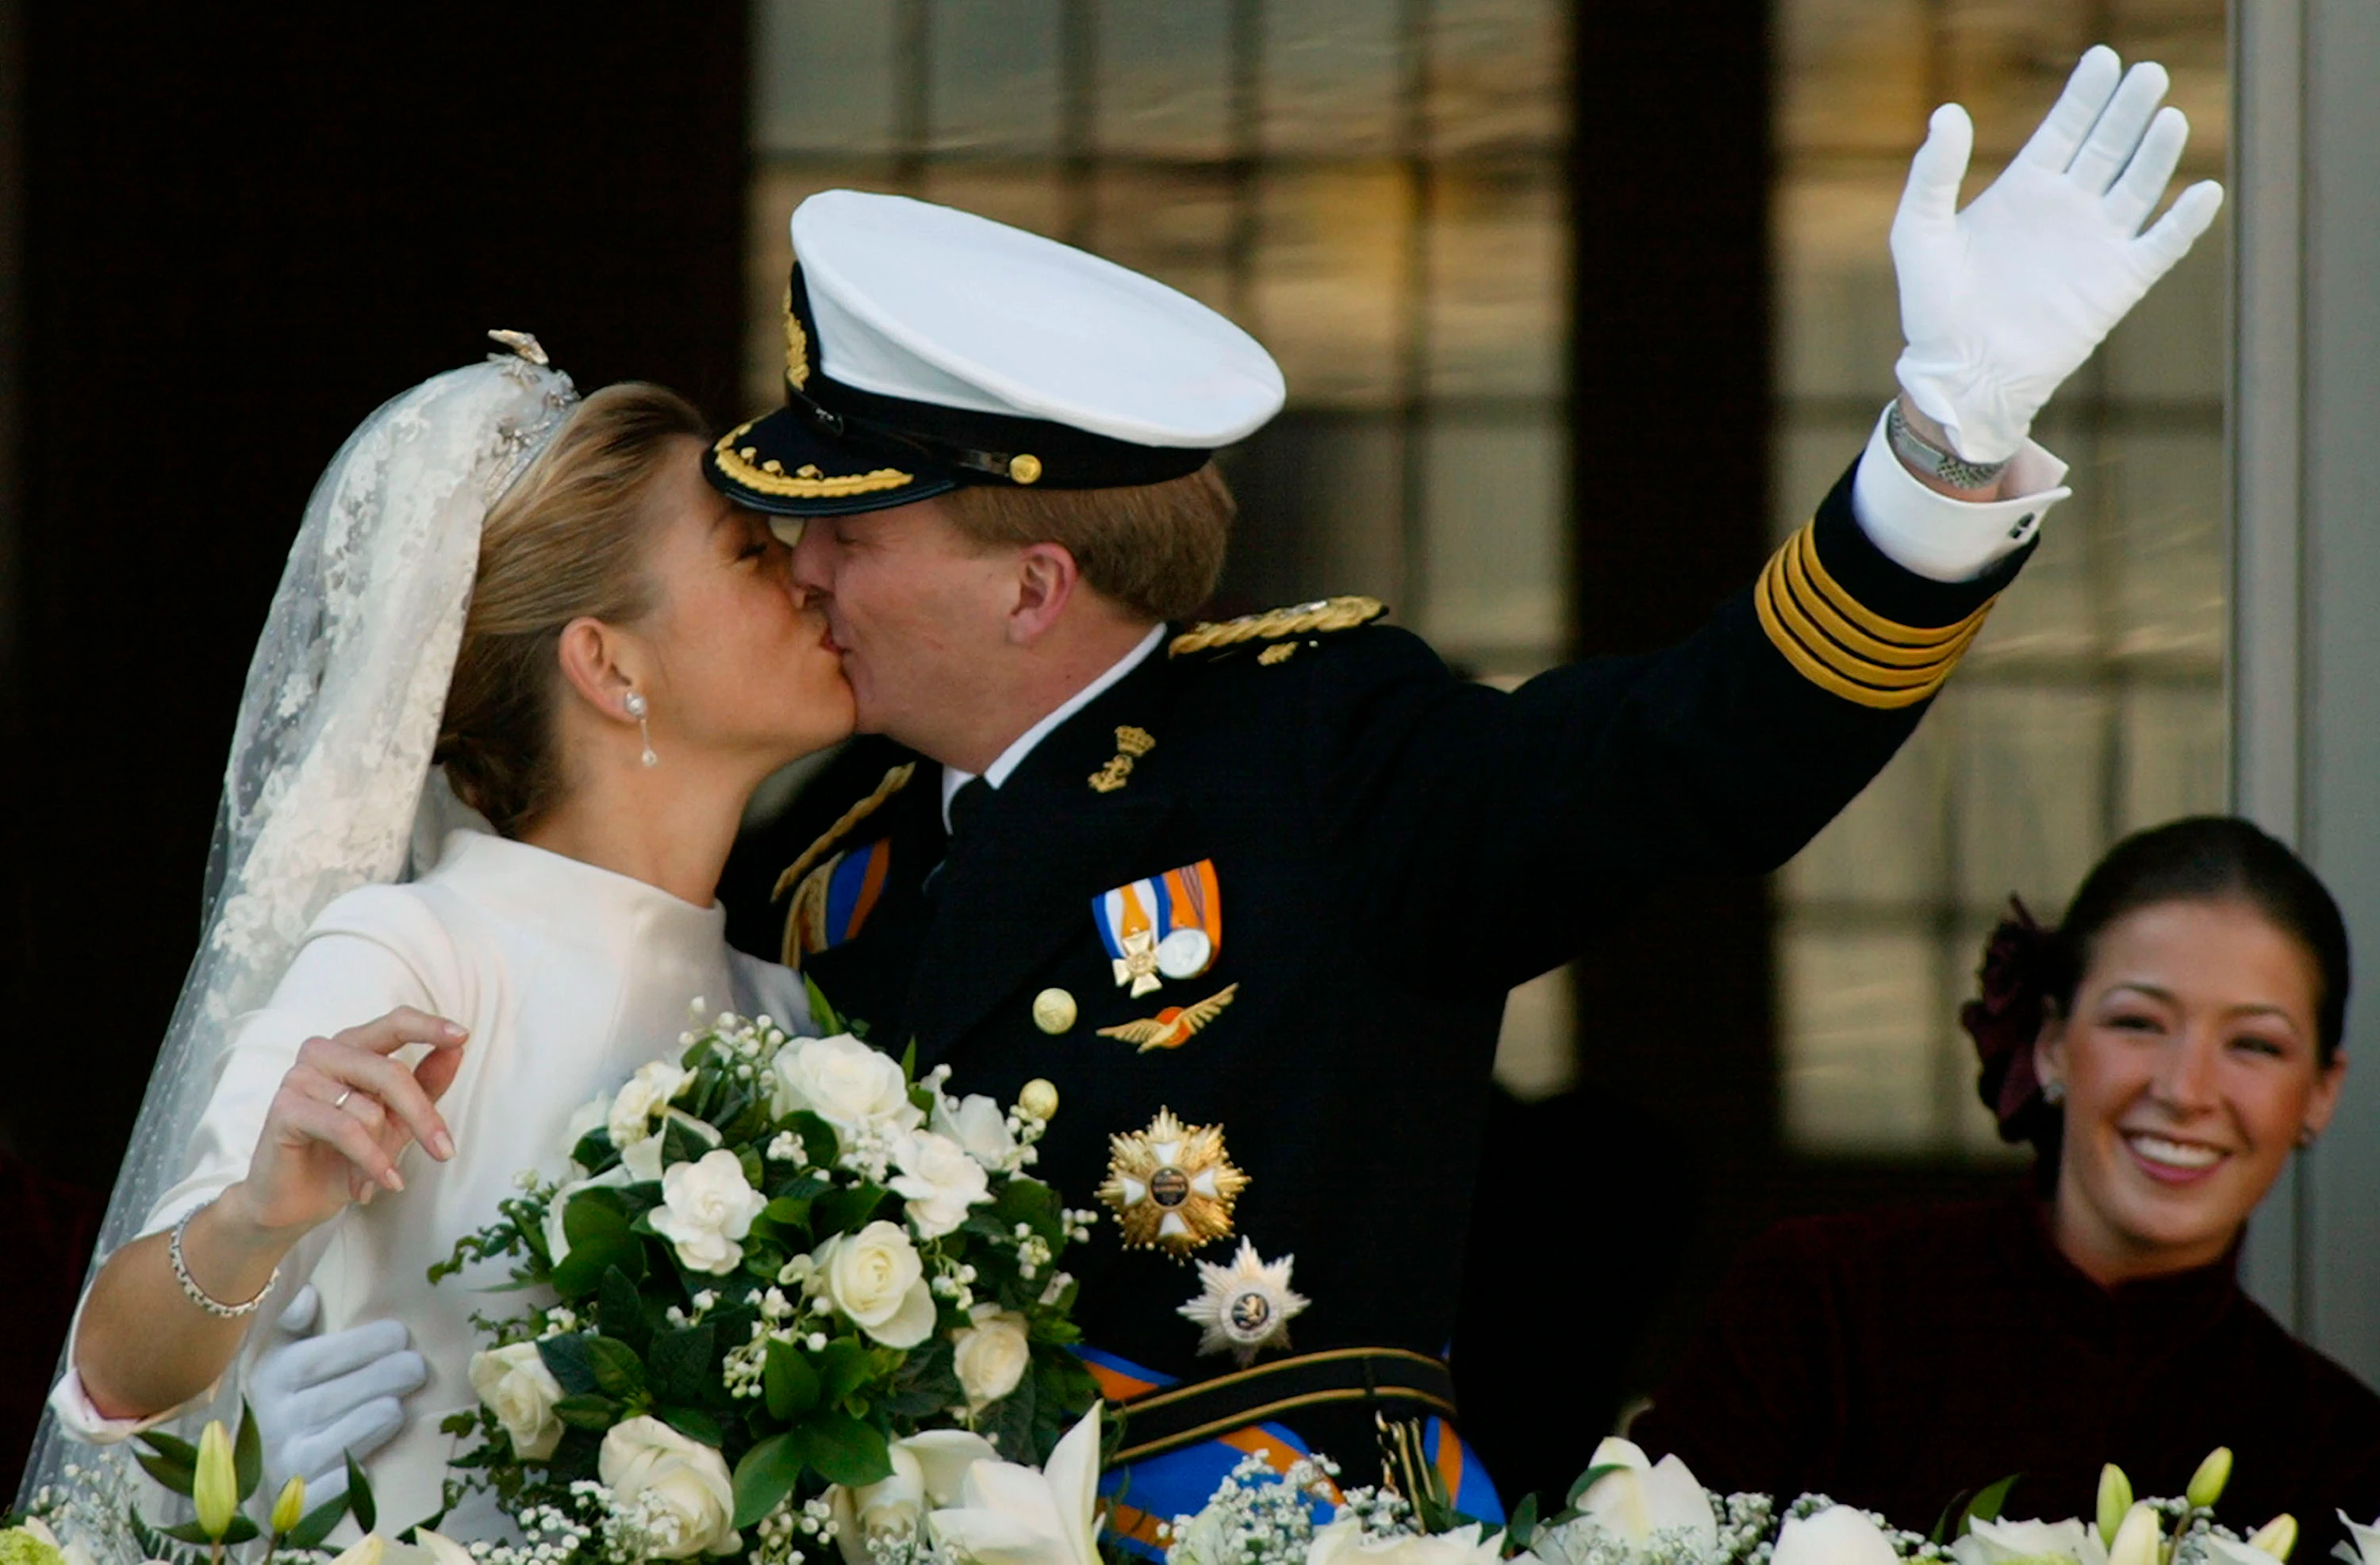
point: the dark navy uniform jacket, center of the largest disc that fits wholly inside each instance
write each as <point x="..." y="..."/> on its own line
<point x="1395" y="847"/>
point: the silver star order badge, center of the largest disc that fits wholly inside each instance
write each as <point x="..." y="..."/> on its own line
<point x="1247" y="1307"/>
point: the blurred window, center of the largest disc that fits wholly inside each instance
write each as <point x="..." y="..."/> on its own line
<point x="2093" y="704"/>
<point x="1374" y="188"/>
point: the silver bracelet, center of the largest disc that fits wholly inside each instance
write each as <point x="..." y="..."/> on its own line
<point x="1927" y="457"/>
<point x="199" y="1296"/>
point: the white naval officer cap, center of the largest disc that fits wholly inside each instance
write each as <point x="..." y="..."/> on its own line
<point x="928" y="347"/>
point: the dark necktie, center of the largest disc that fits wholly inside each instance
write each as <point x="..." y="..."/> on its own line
<point x="967" y="810"/>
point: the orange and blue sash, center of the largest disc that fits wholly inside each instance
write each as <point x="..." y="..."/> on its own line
<point x="1148" y="1494"/>
<point x="835" y="899"/>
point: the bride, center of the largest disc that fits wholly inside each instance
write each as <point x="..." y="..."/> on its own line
<point x="536" y="603"/>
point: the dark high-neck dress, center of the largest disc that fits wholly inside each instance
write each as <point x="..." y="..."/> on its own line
<point x="1894" y="1360"/>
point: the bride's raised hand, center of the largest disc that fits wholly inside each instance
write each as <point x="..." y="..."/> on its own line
<point x="344" y="1113"/>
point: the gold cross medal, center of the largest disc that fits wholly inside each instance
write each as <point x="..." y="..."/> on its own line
<point x="1168" y="925"/>
<point x="1245" y="1307"/>
<point x="1172" y="1185"/>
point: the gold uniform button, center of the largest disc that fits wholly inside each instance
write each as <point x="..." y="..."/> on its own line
<point x="1053" y="1011"/>
<point x="1025" y="468"/>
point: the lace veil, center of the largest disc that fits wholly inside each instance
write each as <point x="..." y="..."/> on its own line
<point x="329" y="783"/>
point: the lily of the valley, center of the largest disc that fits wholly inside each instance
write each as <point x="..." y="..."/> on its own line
<point x="1641" y="1497"/>
<point x="1009" y="1514"/>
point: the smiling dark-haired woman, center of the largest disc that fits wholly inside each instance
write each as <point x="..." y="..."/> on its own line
<point x="2165" y="1050"/>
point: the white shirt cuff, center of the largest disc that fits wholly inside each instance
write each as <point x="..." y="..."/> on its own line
<point x="1946" y="540"/>
<point x="80" y="1421"/>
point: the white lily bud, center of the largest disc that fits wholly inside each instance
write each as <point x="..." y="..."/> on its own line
<point x="2278" y="1536"/>
<point x="2115" y="1500"/>
<point x="2138" y="1541"/>
<point x="2206" y="1484"/>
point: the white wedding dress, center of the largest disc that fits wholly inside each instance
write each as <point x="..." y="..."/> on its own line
<point x="569" y="977"/>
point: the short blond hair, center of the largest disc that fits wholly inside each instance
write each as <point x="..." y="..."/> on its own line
<point x="566" y="541"/>
<point x="1157" y="549"/>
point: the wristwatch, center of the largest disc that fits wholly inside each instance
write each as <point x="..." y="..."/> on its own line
<point x="1932" y="460"/>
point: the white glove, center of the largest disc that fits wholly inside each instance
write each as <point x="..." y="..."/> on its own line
<point x="2004" y="300"/>
<point x="319" y="1399"/>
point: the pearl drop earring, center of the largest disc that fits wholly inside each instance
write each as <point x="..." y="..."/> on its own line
<point x="638" y="708"/>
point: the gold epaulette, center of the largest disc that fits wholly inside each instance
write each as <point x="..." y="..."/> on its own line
<point x="1278" y="626"/>
<point x="1845" y="647"/>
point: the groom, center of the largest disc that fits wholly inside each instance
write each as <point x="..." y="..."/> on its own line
<point x="1244" y="901"/>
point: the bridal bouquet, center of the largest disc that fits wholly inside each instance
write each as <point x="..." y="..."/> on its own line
<point x="1628" y="1511"/>
<point x="773" y="1260"/>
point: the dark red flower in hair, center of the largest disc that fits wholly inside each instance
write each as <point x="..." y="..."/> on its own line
<point x="2005" y="1019"/>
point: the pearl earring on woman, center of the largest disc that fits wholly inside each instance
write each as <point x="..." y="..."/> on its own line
<point x="2053" y="1093"/>
<point x="638" y="708"/>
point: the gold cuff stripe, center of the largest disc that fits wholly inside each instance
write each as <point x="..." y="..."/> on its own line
<point x="1907" y="648"/>
<point x="807" y="483"/>
<point x="1846" y="649"/>
<point x="1268" y="1411"/>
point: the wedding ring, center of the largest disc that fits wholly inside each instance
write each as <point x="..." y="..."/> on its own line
<point x="341" y="1100"/>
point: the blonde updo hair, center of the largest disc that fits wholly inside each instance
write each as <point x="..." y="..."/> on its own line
<point x="566" y="541"/>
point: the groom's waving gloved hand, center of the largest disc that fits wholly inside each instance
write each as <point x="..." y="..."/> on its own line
<point x="2001" y="302"/>
<point x="320" y="1399"/>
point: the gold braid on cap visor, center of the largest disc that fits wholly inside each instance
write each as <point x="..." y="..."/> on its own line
<point x="1844" y="646"/>
<point x="742" y="464"/>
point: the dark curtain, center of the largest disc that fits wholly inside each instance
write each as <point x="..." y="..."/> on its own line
<point x="244" y="228"/>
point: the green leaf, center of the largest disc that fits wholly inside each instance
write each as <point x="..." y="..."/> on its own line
<point x="791" y="1384"/>
<point x="1986" y="1505"/>
<point x="766" y="1475"/>
<point x="566" y="1359"/>
<point x="180" y="1477"/>
<point x="1030" y="1202"/>
<point x="683" y="1144"/>
<point x="909" y="1061"/>
<point x="597" y="1224"/>
<point x="1586" y="1481"/>
<point x="316" y="1523"/>
<point x="823" y="1015"/>
<point x="619" y="1310"/>
<point x="694" y="1424"/>
<point x="588" y="1410"/>
<point x="789" y="1212"/>
<point x="847" y="1210"/>
<point x="247" y="1452"/>
<point x="178" y="1451"/>
<point x="842" y="1369"/>
<point x="845" y="1450"/>
<point x="618" y="1370"/>
<point x="1523" y="1523"/>
<point x="359" y="1497"/>
<point x="679" y="1369"/>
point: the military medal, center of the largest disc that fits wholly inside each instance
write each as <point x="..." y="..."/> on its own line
<point x="1172" y="1185"/>
<point x="1173" y="1027"/>
<point x="1245" y="1307"/>
<point x="1169" y="925"/>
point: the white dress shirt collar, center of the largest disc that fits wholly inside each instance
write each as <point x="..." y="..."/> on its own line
<point x="1013" y="756"/>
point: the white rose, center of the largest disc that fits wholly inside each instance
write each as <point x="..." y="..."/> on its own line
<point x="1344" y="1542"/>
<point x="843" y="1082"/>
<point x="976" y="1124"/>
<point x="646" y="1095"/>
<point x="939" y="1182"/>
<point x="557" y="1238"/>
<point x="1642" y="1497"/>
<point x="2006" y="1542"/>
<point x="992" y="1356"/>
<point x="707" y="1208"/>
<point x="1009" y="1514"/>
<point x="875" y="1278"/>
<point x="1836" y="1536"/>
<point x="682" y="1483"/>
<point x="927" y="1470"/>
<point x="518" y="1388"/>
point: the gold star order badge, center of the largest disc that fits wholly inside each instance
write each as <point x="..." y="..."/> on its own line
<point x="1172" y="1185"/>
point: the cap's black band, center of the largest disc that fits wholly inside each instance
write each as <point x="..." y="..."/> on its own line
<point x="986" y="447"/>
<point x="1399" y="1383"/>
